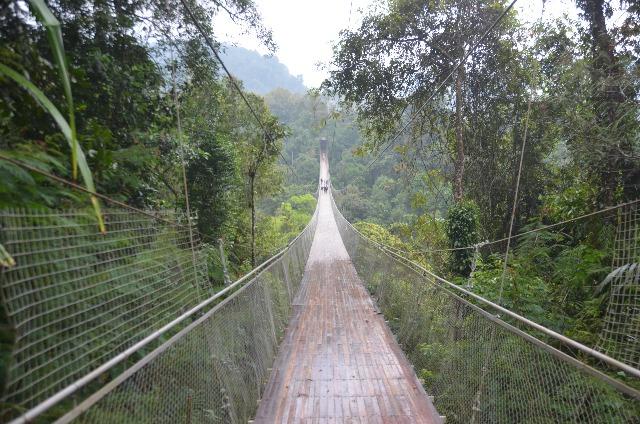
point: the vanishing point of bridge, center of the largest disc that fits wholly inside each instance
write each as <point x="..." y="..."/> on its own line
<point x="339" y="361"/>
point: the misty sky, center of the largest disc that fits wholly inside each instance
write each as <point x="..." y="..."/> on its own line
<point x="305" y="30"/>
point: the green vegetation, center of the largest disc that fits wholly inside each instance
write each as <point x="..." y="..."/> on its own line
<point x="568" y="89"/>
<point x="139" y="109"/>
<point x="130" y="81"/>
<point x="128" y="94"/>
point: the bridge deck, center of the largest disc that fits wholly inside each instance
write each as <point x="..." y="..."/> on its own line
<point x="339" y="363"/>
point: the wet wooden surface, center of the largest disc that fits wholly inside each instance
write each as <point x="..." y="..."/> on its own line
<point x="339" y="362"/>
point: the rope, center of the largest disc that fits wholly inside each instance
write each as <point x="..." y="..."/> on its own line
<point x="81" y="188"/>
<point x="209" y="43"/>
<point x="184" y="173"/>
<point x="439" y="87"/>
<point x="544" y="227"/>
<point x="524" y="233"/>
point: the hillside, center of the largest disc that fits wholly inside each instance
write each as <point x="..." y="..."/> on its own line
<point x="260" y="74"/>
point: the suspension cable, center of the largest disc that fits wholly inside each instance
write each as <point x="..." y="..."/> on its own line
<point x="209" y="42"/>
<point x="395" y="137"/>
<point x="524" y="233"/>
<point x="544" y="227"/>
<point x="485" y="367"/>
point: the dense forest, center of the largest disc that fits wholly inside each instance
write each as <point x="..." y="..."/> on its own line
<point x="452" y="126"/>
<point x="126" y="99"/>
<point x="544" y="112"/>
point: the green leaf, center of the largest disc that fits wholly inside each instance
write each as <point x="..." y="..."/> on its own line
<point x="41" y="98"/>
<point x="57" y="46"/>
<point x="48" y="106"/>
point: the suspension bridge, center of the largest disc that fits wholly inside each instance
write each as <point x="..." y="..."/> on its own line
<point x="335" y="328"/>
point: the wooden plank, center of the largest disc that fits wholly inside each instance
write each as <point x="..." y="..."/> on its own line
<point x="338" y="361"/>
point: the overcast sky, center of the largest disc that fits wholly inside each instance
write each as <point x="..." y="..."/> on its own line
<point x="305" y="30"/>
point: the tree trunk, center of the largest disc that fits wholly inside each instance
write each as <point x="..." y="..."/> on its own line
<point x="607" y="97"/>
<point x="458" y="188"/>
<point x="252" y="178"/>
<point x="101" y="23"/>
<point x="605" y="63"/>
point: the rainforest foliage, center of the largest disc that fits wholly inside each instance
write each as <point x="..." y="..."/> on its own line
<point x="136" y="86"/>
<point x="562" y="91"/>
<point x="149" y="100"/>
<point x="148" y="97"/>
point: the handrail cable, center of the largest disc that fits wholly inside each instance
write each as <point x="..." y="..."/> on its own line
<point x="442" y="83"/>
<point x="83" y="406"/>
<point x="268" y="136"/>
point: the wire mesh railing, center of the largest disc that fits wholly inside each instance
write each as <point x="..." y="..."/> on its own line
<point x="76" y="297"/>
<point x="81" y="302"/>
<point x="215" y="369"/>
<point x="478" y="367"/>
<point x="620" y="336"/>
<point x="557" y="272"/>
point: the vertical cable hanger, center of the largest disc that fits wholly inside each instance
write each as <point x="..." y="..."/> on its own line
<point x="185" y="186"/>
<point x="485" y="367"/>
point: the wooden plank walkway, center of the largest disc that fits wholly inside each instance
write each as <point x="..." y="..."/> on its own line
<point x="339" y="362"/>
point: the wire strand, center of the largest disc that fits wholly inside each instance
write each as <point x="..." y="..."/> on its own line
<point x="515" y="200"/>
<point x="545" y="227"/>
<point x="183" y="165"/>
<point x="524" y="233"/>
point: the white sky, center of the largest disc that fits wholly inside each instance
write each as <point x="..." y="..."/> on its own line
<point x="305" y="30"/>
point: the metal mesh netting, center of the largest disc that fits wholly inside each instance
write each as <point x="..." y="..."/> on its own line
<point x="214" y="370"/>
<point x="611" y="236"/>
<point x="76" y="297"/>
<point x="478" y="367"/>
<point x="620" y="336"/>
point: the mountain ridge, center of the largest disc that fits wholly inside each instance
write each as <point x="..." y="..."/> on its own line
<point x="259" y="73"/>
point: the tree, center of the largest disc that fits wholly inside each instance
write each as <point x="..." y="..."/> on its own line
<point x="259" y="145"/>
<point x="613" y="103"/>
<point x="388" y="69"/>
